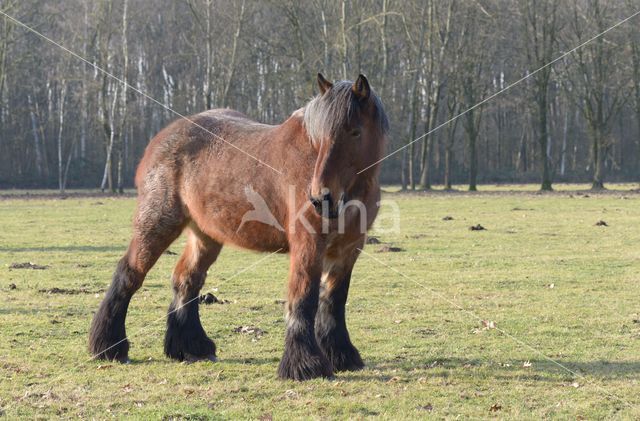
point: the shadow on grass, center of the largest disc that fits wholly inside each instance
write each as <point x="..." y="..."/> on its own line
<point x="452" y="368"/>
<point x="222" y="361"/>
<point x="81" y="249"/>
<point x="540" y="370"/>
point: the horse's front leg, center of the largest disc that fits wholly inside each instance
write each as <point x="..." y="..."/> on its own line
<point x="302" y="357"/>
<point x="331" y="326"/>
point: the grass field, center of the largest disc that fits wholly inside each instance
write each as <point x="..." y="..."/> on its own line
<point x="559" y="297"/>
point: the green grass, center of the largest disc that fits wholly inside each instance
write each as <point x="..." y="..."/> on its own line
<point x="426" y="352"/>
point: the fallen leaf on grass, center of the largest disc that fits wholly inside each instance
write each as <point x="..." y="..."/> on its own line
<point x="389" y="249"/>
<point x="208" y="298"/>
<point x="64" y="291"/>
<point x="495" y="407"/>
<point x="416" y="236"/>
<point x="250" y="330"/>
<point x="373" y="240"/>
<point x="290" y="394"/>
<point x="104" y="367"/>
<point x="28" y="265"/>
<point x="488" y="324"/>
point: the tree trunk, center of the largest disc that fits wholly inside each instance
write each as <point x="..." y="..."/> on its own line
<point x="598" y="160"/>
<point x="63" y="94"/>
<point x="343" y="33"/>
<point x="36" y="138"/>
<point x="473" y="163"/>
<point x="448" y="155"/>
<point x="543" y="138"/>
<point x="123" y="101"/>
<point x="106" y="176"/>
<point x="234" y="55"/>
<point x="425" y="176"/>
<point x="403" y="170"/>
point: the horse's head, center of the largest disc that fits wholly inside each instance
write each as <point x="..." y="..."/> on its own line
<point x="347" y="126"/>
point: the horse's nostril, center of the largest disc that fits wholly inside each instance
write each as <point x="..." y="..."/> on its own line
<point x="322" y="203"/>
<point x="316" y="202"/>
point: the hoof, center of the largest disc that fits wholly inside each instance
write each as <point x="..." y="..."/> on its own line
<point x="346" y="359"/>
<point x="349" y="364"/>
<point x="110" y="350"/>
<point x="189" y="346"/>
<point x="190" y="358"/>
<point x="299" y="364"/>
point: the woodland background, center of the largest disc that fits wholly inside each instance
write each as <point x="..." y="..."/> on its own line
<point x="63" y="124"/>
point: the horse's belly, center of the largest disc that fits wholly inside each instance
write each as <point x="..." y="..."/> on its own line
<point x="242" y="231"/>
<point x="259" y="238"/>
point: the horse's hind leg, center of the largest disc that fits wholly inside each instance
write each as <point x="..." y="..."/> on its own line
<point x="185" y="338"/>
<point x="156" y="225"/>
<point x="331" y="327"/>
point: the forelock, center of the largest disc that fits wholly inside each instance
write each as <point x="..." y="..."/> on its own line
<point x="326" y="114"/>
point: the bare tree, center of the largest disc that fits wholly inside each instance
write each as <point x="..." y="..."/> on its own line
<point x="61" y="101"/>
<point x="438" y="39"/>
<point x="473" y="84"/>
<point x="540" y="33"/>
<point x="598" y="96"/>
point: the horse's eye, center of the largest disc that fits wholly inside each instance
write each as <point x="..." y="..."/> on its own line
<point x="355" y="133"/>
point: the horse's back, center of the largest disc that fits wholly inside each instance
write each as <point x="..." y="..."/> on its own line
<point x="183" y="140"/>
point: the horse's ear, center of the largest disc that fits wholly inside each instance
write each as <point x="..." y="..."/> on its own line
<point x="323" y="83"/>
<point x="361" y="87"/>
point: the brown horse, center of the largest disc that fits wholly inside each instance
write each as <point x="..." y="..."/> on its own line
<point x="202" y="176"/>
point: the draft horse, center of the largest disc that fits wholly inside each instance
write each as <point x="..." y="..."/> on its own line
<point x="194" y="177"/>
